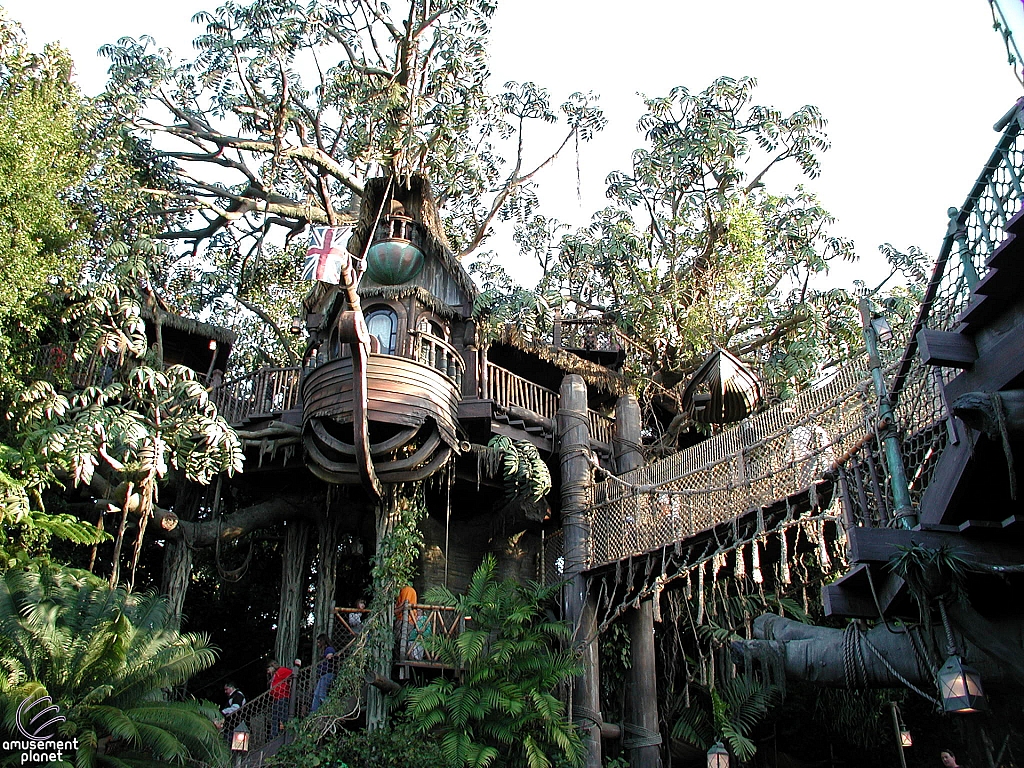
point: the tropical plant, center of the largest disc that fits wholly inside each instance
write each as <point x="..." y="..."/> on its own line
<point x="731" y="710"/>
<point x="121" y="436"/>
<point x="501" y="710"/>
<point x="400" y="745"/>
<point x="106" y="658"/>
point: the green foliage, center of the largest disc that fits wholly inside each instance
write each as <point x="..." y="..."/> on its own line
<point x="526" y="475"/>
<point x="731" y="710"/>
<point x="398" y="746"/>
<point x="502" y="709"/>
<point x="106" y="658"/>
<point x="696" y="252"/>
<point x="123" y="434"/>
<point x="931" y="574"/>
<point x="41" y="160"/>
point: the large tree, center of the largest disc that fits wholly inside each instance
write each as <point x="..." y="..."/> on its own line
<point x="695" y="251"/>
<point x="288" y="108"/>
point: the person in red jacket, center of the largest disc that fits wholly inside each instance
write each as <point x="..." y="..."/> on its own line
<point x="280" y="693"/>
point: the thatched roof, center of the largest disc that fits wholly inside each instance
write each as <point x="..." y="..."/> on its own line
<point x="418" y="200"/>
<point x="597" y="376"/>
<point x="222" y="336"/>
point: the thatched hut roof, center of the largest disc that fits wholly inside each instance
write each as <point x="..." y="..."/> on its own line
<point x="601" y="378"/>
<point x="415" y="194"/>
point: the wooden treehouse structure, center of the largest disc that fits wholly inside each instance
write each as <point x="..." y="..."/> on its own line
<point x="399" y="386"/>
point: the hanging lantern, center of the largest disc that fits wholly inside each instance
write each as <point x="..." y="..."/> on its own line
<point x="718" y="756"/>
<point x="960" y="687"/>
<point x="906" y="740"/>
<point x="240" y="738"/>
<point x="395" y="256"/>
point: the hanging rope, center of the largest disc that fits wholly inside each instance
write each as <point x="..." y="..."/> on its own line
<point x="1000" y="411"/>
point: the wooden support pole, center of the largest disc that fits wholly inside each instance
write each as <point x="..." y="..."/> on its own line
<point x="643" y="739"/>
<point x="574" y="445"/>
<point x="627" y="434"/>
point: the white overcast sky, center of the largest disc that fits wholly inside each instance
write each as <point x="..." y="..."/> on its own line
<point x="910" y="88"/>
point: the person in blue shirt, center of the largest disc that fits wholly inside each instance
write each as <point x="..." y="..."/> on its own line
<point x="325" y="668"/>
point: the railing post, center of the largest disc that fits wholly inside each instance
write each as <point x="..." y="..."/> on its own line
<point x="905" y="514"/>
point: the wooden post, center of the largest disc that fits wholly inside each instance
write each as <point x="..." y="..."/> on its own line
<point x="574" y="445"/>
<point x="293" y="589"/>
<point x="642" y="736"/>
<point x="627" y="434"/>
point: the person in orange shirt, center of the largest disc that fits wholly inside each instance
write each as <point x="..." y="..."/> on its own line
<point x="405" y="623"/>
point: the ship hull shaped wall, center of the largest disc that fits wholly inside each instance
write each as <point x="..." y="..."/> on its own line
<point x="411" y="409"/>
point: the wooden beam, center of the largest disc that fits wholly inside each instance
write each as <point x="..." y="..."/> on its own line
<point x="994" y="369"/>
<point x="947" y="349"/>
<point x="878" y="545"/>
<point x="949" y="471"/>
<point x="848" y="596"/>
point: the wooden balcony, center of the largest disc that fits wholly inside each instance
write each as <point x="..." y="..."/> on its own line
<point x="510" y="399"/>
<point x="412" y="411"/>
<point x="263" y="393"/>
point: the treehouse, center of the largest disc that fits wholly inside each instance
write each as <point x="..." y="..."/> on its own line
<point x="407" y="399"/>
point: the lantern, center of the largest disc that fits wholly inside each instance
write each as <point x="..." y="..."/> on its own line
<point x="718" y="757"/>
<point x="395" y="257"/>
<point x="960" y="687"/>
<point x="240" y="738"/>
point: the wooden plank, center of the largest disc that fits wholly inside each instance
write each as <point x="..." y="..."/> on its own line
<point x="994" y="369"/>
<point x="950" y="350"/>
<point x="878" y="545"/>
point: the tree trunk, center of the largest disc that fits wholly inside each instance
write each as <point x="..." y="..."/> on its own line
<point x="843" y="659"/>
<point x="177" y="570"/>
<point x="176" y="576"/>
<point x="326" y="572"/>
<point x="293" y="590"/>
<point x="574" y="443"/>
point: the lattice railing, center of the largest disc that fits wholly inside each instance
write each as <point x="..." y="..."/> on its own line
<point x="416" y="624"/>
<point x="921" y="413"/>
<point x="765" y="458"/>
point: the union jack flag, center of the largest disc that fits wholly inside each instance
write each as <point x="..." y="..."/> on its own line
<point x="326" y="254"/>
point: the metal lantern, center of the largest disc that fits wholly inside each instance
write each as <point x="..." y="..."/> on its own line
<point x="882" y="329"/>
<point x="240" y="738"/>
<point x="906" y="740"/>
<point x="960" y="687"/>
<point x="718" y="756"/>
<point x="395" y="256"/>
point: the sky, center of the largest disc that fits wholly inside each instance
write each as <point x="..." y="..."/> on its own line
<point x="910" y="88"/>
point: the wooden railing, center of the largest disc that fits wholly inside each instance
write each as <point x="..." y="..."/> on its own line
<point x="416" y="624"/>
<point x="430" y="350"/>
<point x="602" y="428"/>
<point x="55" y="363"/>
<point x="263" y="392"/>
<point x="507" y="389"/>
